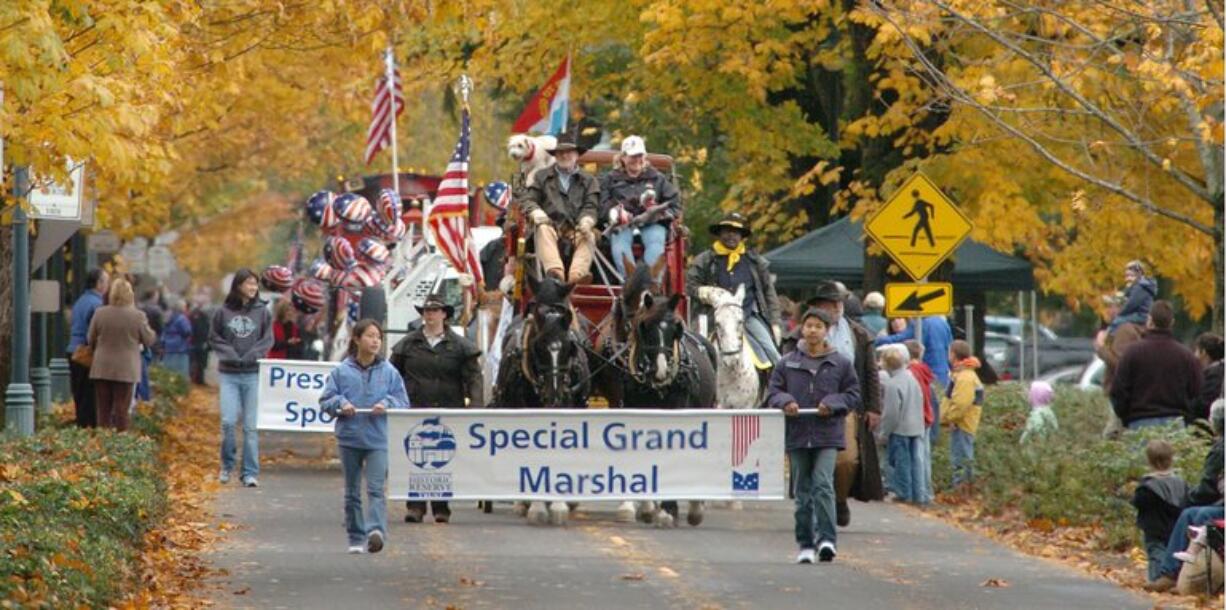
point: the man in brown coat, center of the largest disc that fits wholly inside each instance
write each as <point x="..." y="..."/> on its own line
<point x="117" y="333"/>
<point x="1110" y="347"/>
<point x="562" y="202"/>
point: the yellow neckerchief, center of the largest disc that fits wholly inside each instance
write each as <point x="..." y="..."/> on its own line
<point x="733" y="255"/>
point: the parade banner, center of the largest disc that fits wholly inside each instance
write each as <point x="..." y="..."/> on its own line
<point x="288" y="395"/>
<point x="591" y="454"/>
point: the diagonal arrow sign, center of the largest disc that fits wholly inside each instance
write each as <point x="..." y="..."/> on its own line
<point x="915" y="302"/>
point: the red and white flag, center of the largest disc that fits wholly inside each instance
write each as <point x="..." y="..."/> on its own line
<point x="379" y="135"/>
<point x="744" y="433"/>
<point x="449" y="214"/>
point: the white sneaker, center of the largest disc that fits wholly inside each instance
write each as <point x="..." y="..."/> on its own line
<point x="356" y="549"/>
<point x="825" y="551"/>
<point x="223" y="477"/>
<point x="374" y="541"/>
<point x="805" y="556"/>
<point x="250" y="482"/>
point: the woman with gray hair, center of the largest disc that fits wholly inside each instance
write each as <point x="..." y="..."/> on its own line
<point x="177" y="337"/>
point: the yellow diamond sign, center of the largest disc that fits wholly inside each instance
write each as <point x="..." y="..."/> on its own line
<point x="919" y="226"/>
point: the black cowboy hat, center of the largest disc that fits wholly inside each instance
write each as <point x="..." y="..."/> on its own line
<point x="435" y="301"/>
<point x="567" y="140"/>
<point x="827" y="291"/>
<point x="732" y="220"/>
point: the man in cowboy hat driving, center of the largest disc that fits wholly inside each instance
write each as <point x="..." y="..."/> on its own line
<point x="729" y="264"/>
<point x="564" y="200"/>
<point x="440" y="369"/>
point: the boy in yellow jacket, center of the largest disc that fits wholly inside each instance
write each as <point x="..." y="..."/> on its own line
<point x="961" y="408"/>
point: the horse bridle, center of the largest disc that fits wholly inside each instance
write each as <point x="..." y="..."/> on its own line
<point x="741" y="340"/>
<point x="673" y="368"/>
<point x="555" y="371"/>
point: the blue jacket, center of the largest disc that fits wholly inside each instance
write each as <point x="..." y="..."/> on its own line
<point x="829" y="378"/>
<point x="351" y="384"/>
<point x="1140" y="297"/>
<point x="937" y="337"/>
<point x="82" y="314"/>
<point x="177" y="336"/>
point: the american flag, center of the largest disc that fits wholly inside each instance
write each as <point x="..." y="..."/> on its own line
<point x="449" y="214"/>
<point x="744" y="433"/>
<point x="379" y="136"/>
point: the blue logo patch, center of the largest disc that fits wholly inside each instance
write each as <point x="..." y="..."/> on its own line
<point x="430" y="445"/>
<point x="744" y="482"/>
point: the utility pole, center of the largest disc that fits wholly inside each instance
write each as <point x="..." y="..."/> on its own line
<point x="19" y="397"/>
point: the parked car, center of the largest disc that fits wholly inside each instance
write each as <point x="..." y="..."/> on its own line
<point x="1014" y="326"/>
<point x="1003" y="352"/>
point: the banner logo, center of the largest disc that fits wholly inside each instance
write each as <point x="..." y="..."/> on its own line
<point x="430" y="446"/>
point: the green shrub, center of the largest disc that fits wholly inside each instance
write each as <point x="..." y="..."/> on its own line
<point x="1076" y="477"/>
<point x="74" y="508"/>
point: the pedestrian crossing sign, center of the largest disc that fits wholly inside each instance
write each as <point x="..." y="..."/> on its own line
<point x="918" y="226"/>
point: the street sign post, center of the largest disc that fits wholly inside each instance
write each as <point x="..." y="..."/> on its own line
<point x="103" y="242"/>
<point x="919" y="226"/>
<point x="918" y="300"/>
<point x="50" y="200"/>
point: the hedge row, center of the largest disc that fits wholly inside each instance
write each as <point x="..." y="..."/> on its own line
<point x="75" y="505"/>
<point x="1076" y="477"/>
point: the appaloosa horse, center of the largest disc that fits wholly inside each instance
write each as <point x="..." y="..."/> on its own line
<point x="737" y="379"/>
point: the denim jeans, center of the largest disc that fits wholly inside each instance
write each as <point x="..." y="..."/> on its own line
<point x="813" y="482"/>
<point x="962" y="456"/>
<point x="761" y="338"/>
<point x="238" y="399"/>
<point x="1155" y="551"/>
<point x="906" y="457"/>
<point x="621" y="244"/>
<point x="374" y="463"/>
<point x="1150" y="422"/>
<point x="925" y="482"/>
<point x="178" y="363"/>
<point x="1194" y="515"/>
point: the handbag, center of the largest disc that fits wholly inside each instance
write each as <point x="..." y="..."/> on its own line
<point x="83" y="355"/>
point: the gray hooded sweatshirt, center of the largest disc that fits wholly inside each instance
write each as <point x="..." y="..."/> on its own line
<point x="240" y="337"/>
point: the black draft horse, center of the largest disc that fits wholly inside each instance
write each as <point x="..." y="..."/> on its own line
<point x="668" y="368"/>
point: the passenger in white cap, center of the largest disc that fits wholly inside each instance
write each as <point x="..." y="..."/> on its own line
<point x="637" y="196"/>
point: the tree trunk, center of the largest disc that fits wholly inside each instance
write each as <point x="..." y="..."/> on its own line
<point x="1219" y="289"/>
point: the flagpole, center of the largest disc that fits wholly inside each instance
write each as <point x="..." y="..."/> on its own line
<point x="390" y="68"/>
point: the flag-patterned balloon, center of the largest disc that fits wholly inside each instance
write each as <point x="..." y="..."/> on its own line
<point x="389" y="206"/>
<point x="393" y="235"/>
<point x="317" y="203"/>
<point x="498" y="194"/>
<point x="362" y="276"/>
<point x="339" y="253"/>
<point x="353" y="310"/>
<point x="322" y="271"/>
<point x="277" y="278"/>
<point x="328" y="220"/>
<point x="307" y="295"/>
<point x="352" y="208"/>
<point x="372" y="252"/>
<point x="374" y="227"/>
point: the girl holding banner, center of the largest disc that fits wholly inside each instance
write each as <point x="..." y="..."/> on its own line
<point x="816" y="387"/>
<point x="366" y="381"/>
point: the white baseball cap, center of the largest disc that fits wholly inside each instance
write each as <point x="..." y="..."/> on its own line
<point x="633" y="145"/>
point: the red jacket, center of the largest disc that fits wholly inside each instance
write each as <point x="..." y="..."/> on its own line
<point x="925" y="377"/>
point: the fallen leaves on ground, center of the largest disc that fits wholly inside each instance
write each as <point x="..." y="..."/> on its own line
<point x="172" y="563"/>
<point x="634" y="576"/>
<point x="1079" y="547"/>
<point x="995" y="583"/>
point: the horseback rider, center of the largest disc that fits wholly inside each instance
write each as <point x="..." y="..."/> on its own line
<point x="731" y="263"/>
<point x="636" y="195"/>
<point x="563" y="201"/>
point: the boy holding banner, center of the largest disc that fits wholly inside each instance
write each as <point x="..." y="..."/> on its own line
<point x="364" y="380"/>
<point x="816" y="387"/>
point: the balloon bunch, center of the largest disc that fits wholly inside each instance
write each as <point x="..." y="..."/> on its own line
<point x="356" y="251"/>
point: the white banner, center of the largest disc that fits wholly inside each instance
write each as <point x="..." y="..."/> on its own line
<point x="289" y="393"/>
<point x="593" y="454"/>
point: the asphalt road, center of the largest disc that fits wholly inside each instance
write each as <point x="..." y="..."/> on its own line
<point x="289" y="552"/>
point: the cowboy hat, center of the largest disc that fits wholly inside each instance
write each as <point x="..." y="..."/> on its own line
<point x="732" y="220"/>
<point x="566" y="141"/>
<point x="827" y="291"/>
<point x="435" y="301"/>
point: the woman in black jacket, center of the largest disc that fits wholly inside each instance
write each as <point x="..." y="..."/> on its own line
<point x="441" y="370"/>
<point x="1209" y="350"/>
